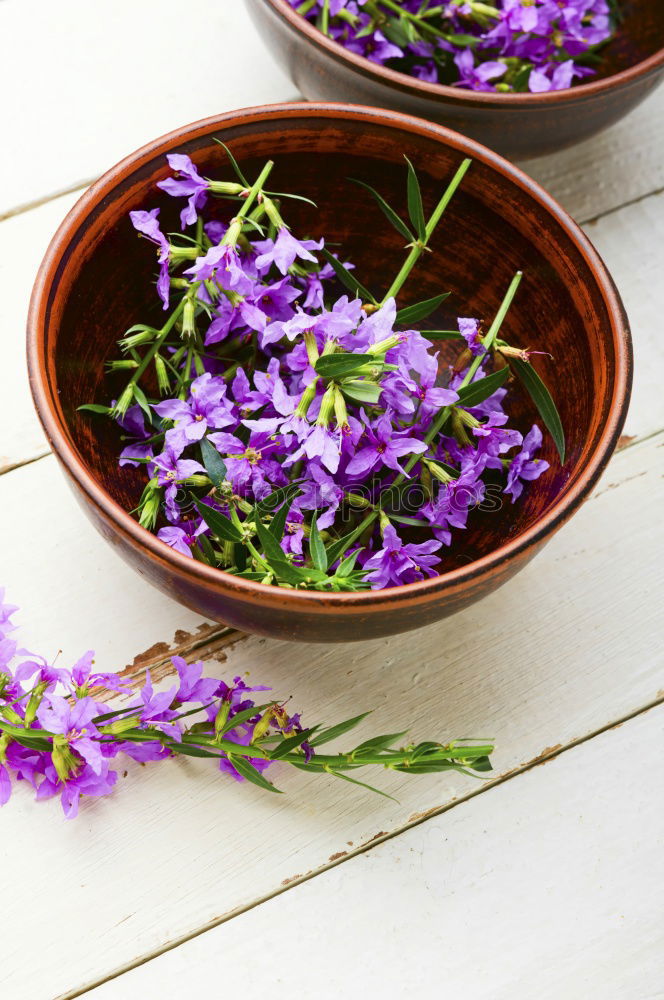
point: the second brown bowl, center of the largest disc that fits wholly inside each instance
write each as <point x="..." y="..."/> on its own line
<point x="519" y="126"/>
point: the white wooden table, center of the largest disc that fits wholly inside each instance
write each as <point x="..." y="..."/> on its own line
<point x="541" y="883"/>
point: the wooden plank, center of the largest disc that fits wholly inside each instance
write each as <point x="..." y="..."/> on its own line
<point x="616" y="167"/>
<point x="545" y="887"/>
<point x="566" y="648"/>
<point x="635" y="262"/>
<point x="131" y="72"/>
<point x="23" y="242"/>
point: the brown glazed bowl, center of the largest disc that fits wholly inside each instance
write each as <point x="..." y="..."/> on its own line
<point x="519" y="126"/>
<point x="97" y="279"/>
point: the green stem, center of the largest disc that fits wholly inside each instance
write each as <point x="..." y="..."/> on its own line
<point x="234" y="230"/>
<point x="420" y="246"/>
<point x="446" y="411"/>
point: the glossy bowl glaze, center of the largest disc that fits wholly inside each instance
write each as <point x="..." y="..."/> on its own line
<point x="519" y="126"/>
<point x="97" y="279"/>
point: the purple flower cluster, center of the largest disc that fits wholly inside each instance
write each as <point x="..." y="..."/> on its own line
<point x="58" y="733"/>
<point x="292" y="412"/>
<point x="497" y="45"/>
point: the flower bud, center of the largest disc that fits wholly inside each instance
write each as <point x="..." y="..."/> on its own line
<point x="63" y="759"/>
<point x="312" y="347"/>
<point x="124" y="402"/>
<point x="188" y="320"/>
<point x="163" y="380"/>
<point x="327" y="406"/>
<point x="463" y="360"/>
<point x="340" y="410"/>
<point x="383" y="346"/>
<point x="262" y="726"/>
<point x="221" y="717"/>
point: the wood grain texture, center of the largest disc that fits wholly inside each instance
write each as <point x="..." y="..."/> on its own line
<point x="131" y="73"/>
<point x="565" y="649"/>
<point x="530" y="890"/>
<point x="23" y="242"/>
<point x="613" y="169"/>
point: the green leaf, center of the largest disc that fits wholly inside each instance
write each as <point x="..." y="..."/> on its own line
<point x="234" y="163"/>
<point x="342" y="727"/>
<point x="478" y="391"/>
<point x="243" y="716"/>
<point x="336" y="549"/>
<point x="346" y="567"/>
<point x="346" y="278"/>
<point x="363" y="784"/>
<point x="338" y="365"/>
<point x="292" y="743"/>
<point x="240" y="553"/>
<point x="294" y="197"/>
<point x="420" y="310"/>
<point x="270" y="503"/>
<point x="278" y="523"/>
<point x="413" y="522"/>
<point x="387" y="211"/>
<point x="316" y="547"/>
<point x="415" y="206"/>
<point x="248" y="771"/>
<point x="361" y="391"/>
<point x="380" y="742"/>
<point x="142" y="401"/>
<point x="213" y="462"/>
<point x="206" y="548"/>
<point x="541" y="397"/>
<point x="220" y="526"/>
<point x="94" y="408"/>
<point x="272" y="550"/>
<point x="442" y="334"/>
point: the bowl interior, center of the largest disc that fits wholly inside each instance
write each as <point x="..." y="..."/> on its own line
<point x="639" y="36"/>
<point x="103" y="282"/>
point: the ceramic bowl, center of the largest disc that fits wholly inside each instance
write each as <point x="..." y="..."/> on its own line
<point x="97" y="278"/>
<point x="519" y="126"/>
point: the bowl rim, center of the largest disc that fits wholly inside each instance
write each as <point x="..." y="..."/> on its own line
<point x="456" y="95"/>
<point x="419" y="593"/>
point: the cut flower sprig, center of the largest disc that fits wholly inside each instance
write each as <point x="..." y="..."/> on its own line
<point x="296" y="436"/>
<point x="59" y="733"/>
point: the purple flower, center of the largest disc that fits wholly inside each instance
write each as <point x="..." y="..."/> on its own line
<point x="74" y="722"/>
<point x="172" y="470"/>
<point x="385" y="447"/>
<point x="146" y="223"/>
<point x="524" y="466"/>
<point x="477" y="77"/>
<point x="181" y="538"/>
<point x="193" y="686"/>
<point x="189" y="185"/>
<point x="83" y="678"/>
<point x="223" y="264"/>
<point x="284" y="250"/>
<point x="207" y="408"/>
<point x="470" y="331"/>
<point x="396" y="563"/>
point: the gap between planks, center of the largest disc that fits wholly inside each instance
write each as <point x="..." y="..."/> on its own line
<point x="416" y="820"/>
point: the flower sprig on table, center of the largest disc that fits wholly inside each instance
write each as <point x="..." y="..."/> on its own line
<point x="493" y="45"/>
<point x="59" y="733"/>
<point x="313" y="445"/>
